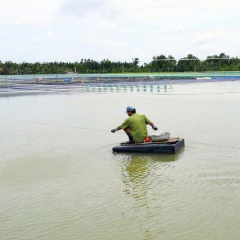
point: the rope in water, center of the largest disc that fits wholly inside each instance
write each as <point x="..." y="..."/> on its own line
<point x="214" y="145"/>
<point x="105" y="130"/>
<point x="53" y="124"/>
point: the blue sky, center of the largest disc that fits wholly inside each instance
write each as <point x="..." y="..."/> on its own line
<point x="69" y="30"/>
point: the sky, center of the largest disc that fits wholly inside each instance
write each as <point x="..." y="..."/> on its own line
<point x="71" y="30"/>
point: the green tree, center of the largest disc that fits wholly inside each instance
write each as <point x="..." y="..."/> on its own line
<point x="188" y="64"/>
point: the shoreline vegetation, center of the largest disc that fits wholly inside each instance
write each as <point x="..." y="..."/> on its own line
<point x="162" y="63"/>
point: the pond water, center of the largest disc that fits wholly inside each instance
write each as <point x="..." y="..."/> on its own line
<point x="59" y="178"/>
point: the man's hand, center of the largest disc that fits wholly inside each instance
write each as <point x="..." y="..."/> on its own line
<point x="114" y="130"/>
<point x="154" y="128"/>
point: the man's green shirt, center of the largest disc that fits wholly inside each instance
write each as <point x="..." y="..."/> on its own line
<point x="137" y="125"/>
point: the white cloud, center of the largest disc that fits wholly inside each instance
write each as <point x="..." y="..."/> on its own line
<point x="208" y="37"/>
<point x="32" y="19"/>
<point x="46" y="37"/>
<point x="119" y="30"/>
<point x="107" y="26"/>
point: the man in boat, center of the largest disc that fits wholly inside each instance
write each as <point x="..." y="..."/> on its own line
<point x="135" y="126"/>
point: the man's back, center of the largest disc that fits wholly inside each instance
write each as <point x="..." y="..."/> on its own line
<point x="137" y="124"/>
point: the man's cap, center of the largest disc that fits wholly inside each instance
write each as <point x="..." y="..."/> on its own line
<point x="130" y="109"/>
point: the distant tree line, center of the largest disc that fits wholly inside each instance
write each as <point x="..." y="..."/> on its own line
<point x="160" y="63"/>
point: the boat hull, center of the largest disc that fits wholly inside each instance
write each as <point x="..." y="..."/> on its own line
<point x="166" y="148"/>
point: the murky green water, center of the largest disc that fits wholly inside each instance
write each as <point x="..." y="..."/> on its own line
<point x="59" y="178"/>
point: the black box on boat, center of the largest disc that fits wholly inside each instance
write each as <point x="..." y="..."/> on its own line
<point x="151" y="147"/>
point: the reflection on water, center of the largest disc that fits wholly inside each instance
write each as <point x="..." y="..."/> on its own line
<point x="138" y="172"/>
<point x="135" y="177"/>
